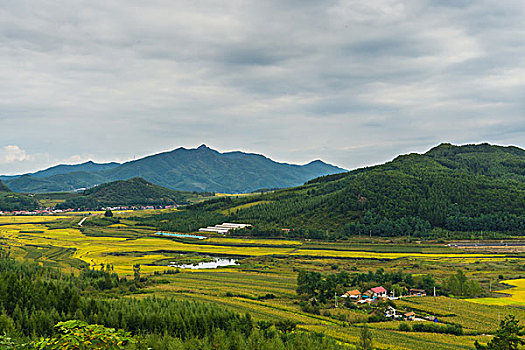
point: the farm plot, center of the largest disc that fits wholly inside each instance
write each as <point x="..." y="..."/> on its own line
<point x="517" y="295"/>
<point x="474" y="318"/>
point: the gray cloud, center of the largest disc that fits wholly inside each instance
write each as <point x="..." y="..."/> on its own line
<point x="350" y="82"/>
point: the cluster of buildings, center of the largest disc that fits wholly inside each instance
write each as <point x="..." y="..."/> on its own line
<point x="224" y="228"/>
<point x="34" y="212"/>
<point x="379" y="293"/>
<point x="51" y="211"/>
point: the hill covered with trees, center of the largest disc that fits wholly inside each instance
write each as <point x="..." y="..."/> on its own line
<point x="136" y="191"/>
<point x="453" y="188"/>
<point x="10" y="201"/>
<point x="4" y="188"/>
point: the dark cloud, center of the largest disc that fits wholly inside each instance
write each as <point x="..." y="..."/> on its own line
<point x="350" y="82"/>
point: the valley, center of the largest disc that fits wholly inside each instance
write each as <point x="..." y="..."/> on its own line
<point x="264" y="281"/>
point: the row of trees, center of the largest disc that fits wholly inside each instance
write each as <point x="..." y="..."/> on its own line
<point x="324" y="286"/>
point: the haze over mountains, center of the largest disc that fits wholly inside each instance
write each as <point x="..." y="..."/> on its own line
<point x="200" y="169"/>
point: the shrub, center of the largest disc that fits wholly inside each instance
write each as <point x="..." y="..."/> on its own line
<point x="437" y="328"/>
<point x="404" y="327"/>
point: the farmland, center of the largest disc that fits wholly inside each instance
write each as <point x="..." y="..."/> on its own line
<point x="264" y="282"/>
<point x="516" y="298"/>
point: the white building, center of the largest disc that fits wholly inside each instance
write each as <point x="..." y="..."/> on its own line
<point x="224" y="228"/>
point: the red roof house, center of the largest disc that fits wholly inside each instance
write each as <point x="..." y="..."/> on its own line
<point x="379" y="292"/>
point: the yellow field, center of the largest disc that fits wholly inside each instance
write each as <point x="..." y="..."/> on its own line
<point x="122" y="253"/>
<point x="118" y="225"/>
<point x="377" y="255"/>
<point x="517" y="295"/>
<point x="32" y="219"/>
<point x="269" y="242"/>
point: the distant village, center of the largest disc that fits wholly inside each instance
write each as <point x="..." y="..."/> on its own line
<point x="380" y="294"/>
<point x="51" y="211"/>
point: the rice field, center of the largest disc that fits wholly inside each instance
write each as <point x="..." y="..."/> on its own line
<point x="7" y="220"/>
<point x="385" y="255"/>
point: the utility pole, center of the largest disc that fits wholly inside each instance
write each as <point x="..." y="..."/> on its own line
<point x="434" y="291"/>
<point x="335" y="297"/>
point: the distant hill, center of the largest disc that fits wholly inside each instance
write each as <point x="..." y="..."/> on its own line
<point x="136" y="191"/>
<point x="457" y="188"/>
<point x="4" y="188"/>
<point x="66" y="169"/>
<point x="57" y="183"/>
<point x="200" y="169"/>
<point x="10" y="201"/>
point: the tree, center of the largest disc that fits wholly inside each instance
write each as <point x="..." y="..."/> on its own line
<point x="78" y="335"/>
<point x="108" y="214"/>
<point x="365" y="340"/>
<point x="507" y="336"/>
<point x="136" y="272"/>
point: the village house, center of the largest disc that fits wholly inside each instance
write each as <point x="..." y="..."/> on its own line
<point x="379" y="292"/>
<point x="367" y="295"/>
<point x="391" y="312"/>
<point x="354" y="294"/>
<point x="417" y="292"/>
<point x="409" y="316"/>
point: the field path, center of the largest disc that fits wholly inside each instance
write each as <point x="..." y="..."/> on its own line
<point x="82" y="221"/>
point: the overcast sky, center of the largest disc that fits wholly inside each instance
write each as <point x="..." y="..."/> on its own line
<point x="350" y="82"/>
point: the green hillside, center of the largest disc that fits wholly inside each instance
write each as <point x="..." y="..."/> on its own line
<point x="10" y="201"/>
<point x="457" y="188"/>
<point x="136" y="191"/>
<point x="4" y="188"/>
<point x="202" y="169"/>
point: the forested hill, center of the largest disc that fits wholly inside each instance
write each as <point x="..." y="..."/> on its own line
<point x="10" y="201"/>
<point x="457" y="188"/>
<point x="4" y="188"/>
<point x="136" y="191"/>
<point x="202" y="169"/>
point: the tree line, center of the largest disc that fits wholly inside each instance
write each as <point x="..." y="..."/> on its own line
<point x="33" y="299"/>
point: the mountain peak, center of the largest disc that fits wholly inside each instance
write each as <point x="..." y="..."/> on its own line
<point x="203" y="147"/>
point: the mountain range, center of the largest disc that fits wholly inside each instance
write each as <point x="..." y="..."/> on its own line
<point x="202" y="169"/>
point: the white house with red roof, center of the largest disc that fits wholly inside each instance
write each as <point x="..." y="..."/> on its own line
<point x="379" y="292"/>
